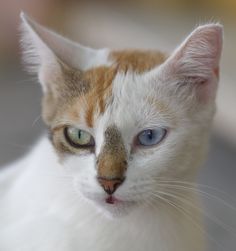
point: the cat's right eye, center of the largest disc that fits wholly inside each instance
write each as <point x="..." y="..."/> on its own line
<point x="78" y="138"/>
<point x="151" y="137"/>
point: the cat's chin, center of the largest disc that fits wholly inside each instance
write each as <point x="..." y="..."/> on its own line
<point x="113" y="208"/>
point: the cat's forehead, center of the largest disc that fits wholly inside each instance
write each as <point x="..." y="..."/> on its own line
<point x="136" y="60"/>
<point x="104" y="80"/>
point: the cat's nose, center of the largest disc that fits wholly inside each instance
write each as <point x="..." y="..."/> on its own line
<point x="110" y="185"/>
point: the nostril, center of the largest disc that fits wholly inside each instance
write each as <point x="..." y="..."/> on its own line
<point x="110" y="185"/>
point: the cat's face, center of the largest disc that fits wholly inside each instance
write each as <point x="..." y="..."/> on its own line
<point x="123" y="121"/>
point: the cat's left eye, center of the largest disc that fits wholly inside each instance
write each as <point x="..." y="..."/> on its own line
<point x="78" y="138"/>
<point x="151" y="137"/>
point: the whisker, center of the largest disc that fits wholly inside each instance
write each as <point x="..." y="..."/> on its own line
<point x="190" y="217"/>
<point x="27" y="147"/>
<point x="201" y="192"/>
<point x="213" y="219"/>
<point x="26" y="81"/>
<point x="36" y="120"/>
<point x="195" y="184"/>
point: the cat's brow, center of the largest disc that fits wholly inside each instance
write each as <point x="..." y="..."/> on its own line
<point x="66" y="122"/>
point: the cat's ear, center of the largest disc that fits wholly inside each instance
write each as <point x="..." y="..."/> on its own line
<point x="194" y="65"/>
<point x="44" y="51"/>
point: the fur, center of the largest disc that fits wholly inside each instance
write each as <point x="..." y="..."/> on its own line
<point x="51" y="199"/>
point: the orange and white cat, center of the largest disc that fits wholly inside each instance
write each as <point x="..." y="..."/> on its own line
<point x="124" y="126"/>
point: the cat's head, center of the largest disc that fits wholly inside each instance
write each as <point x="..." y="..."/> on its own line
<point x="124" y="122"/>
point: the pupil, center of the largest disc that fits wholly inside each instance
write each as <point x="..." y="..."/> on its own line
<point x="149" y="134"/>
<point x="79" y="134"/>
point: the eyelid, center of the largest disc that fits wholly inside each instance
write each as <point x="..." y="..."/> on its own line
<point x="77" y="126"/>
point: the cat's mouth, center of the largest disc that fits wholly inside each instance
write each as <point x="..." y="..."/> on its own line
<point x="112" y="200"/>
<point x="113" y="205"/>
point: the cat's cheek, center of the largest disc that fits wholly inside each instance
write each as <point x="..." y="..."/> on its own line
<point x="75" y="165"/>
<point x="83" y="172"/>
<point x="87" y="189"/>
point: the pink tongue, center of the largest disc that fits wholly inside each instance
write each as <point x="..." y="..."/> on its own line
<point x="110" y="200"/>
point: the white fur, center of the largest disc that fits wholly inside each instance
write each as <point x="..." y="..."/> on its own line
<point x="48" y="205"/>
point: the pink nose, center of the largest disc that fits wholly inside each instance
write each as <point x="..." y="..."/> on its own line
<point x="110" y="185"/>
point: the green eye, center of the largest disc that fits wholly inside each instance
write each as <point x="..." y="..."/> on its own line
<point x="78" y="138"/>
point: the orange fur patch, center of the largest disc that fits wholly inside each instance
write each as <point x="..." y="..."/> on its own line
<point x="100" y="80"/>
<point x="137" y="60"/>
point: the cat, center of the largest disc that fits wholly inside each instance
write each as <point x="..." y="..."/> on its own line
<point x="125" y="128"/>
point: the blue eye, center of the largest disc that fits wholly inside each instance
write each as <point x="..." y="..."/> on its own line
<point x="151" y="137"/>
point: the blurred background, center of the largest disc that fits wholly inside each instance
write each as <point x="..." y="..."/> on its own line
<point x="146" y="24"/>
